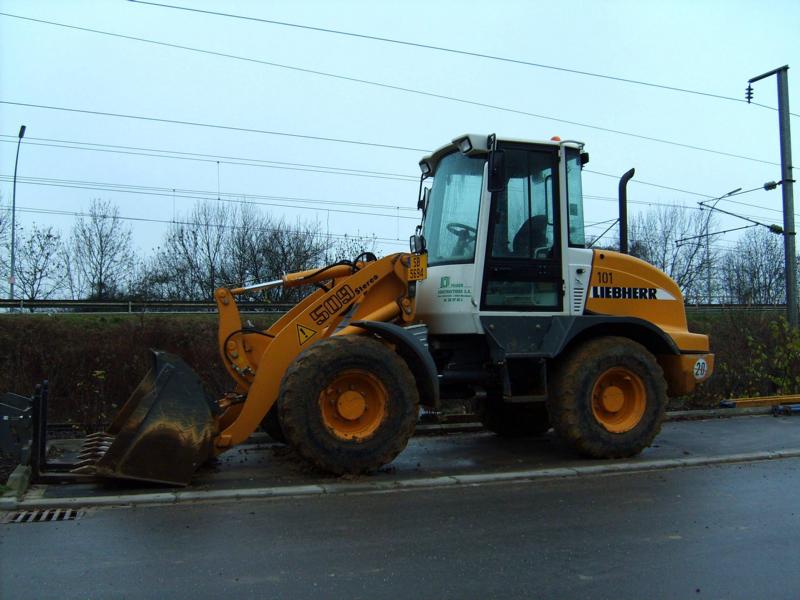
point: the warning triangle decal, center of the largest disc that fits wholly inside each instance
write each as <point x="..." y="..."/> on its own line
<point x="304" y="334"/>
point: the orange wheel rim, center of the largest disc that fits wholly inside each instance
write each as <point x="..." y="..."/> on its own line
<point x="619" y="400"/>
<point x="353" y="405"/>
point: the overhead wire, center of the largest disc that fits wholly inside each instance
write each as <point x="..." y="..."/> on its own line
<point x="212" y="158"/>
<point x="470" y="53"/>
<point x="353" y="80"/>
<point x="231" y="197"/>
<point x="410" y="178"/>
<point x="209" y="158"/>
<point x="208" y="125"/>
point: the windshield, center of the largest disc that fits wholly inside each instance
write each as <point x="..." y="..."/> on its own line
<point x="451" y="220"/>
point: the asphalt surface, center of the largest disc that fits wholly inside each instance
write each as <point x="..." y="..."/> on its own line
<point x="713" y="532"/>
<point x="274" y="465"/>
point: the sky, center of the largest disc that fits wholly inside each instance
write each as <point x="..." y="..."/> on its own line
<point x="366" y="188"/>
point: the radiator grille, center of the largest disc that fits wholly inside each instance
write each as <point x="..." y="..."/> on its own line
<point x="578" y="297"/>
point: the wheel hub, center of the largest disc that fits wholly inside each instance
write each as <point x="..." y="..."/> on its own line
<point x="613" y="399"/>
<point x="351" y="405"/>
<point x="619" y="400"/>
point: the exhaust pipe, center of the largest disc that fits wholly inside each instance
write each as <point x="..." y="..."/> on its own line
<point x="623" y="210"/>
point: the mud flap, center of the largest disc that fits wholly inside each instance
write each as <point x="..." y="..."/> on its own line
<point x="163" y="433"/>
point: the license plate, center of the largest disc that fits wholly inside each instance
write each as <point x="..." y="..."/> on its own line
<point x="418" y="269"/>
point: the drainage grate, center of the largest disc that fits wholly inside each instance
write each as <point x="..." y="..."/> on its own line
<point x="44" y="516"/>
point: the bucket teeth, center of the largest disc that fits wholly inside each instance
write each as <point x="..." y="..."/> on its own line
<point x="94" y="446"/>
<point x="92" y="455"/>
<point x="92" y="451"/>
<point x="82" y="469"/>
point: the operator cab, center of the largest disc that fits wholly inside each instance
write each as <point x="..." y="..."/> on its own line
<point x="499" y="219"/>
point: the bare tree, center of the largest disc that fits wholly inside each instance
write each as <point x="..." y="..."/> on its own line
<point x="99" y="253"/>
<point x="753" y="272"/>
<point x="220" y="244"/>
<point x="292" y="248"/>
<point x="189" y="264"/>
<point x="248" y="245"/>
<point x="656" y="238"/>
<point x="39" y="271"/>
<point x="349" y="247"/>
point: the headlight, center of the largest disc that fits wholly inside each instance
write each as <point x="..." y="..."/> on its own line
<point x="464" y="145"/>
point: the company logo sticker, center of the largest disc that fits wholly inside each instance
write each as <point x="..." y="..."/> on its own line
<point x="452" y="291"/>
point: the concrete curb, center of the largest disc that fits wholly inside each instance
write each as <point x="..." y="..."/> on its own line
<point x="717" y="413"/>
<point x="18" y="482"/>
<point x="180" y="497"/>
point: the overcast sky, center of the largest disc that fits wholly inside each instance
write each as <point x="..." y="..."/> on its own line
<point x="708" y="46"/>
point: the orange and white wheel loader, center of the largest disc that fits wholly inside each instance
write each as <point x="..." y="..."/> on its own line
<point x="499" y="300"/>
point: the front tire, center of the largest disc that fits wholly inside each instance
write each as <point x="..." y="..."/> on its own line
<point x="608" y="398"/>
<point x="348" y="404"/>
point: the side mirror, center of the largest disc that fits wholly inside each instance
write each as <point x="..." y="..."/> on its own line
<point x="497" y="171"/>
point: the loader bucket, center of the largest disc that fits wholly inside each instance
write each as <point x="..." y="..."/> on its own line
<point x="161" y="434"/>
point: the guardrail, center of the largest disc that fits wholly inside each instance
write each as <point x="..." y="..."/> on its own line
<point x="194" y="306"/>
<point x="133" y="306"/>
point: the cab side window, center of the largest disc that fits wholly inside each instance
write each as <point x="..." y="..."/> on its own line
<point x="523" y="217"/>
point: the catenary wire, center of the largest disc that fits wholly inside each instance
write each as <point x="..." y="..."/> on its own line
<point x="111" y="186"/>
<point x="361" y="81"/>
<point x="460" y="52"/>
<point x="230" y="198"/>
<point x="411" y="178"/>
<point x="242" y="197"/>
<point x="208" y="125"/>
<point x="211" y="159"/>
<point x="208" y="158"/>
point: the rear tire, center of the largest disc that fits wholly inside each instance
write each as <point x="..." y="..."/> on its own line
<point x="514" y="420"/>
<point x="608" y="398"/>
<point x="348" y="404"/>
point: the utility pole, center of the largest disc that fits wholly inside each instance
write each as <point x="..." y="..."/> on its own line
<point x="12" y="279"/>
<point x="708" y="267"/>
<point x="787" y="182"/>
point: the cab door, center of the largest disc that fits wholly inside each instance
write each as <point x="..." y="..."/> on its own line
<point x="522" y="269"/>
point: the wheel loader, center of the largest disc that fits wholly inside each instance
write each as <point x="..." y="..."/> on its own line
<point x="499" y="301"/>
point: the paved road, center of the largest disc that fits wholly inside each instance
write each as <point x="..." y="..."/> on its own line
<point x="713" y="532"/>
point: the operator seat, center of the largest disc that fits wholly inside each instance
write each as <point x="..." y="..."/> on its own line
<point x="532" y="235"/>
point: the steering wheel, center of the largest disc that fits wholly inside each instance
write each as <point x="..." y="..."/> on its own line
<point x="466" y="235"/>
<point x="462" y="231"/>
